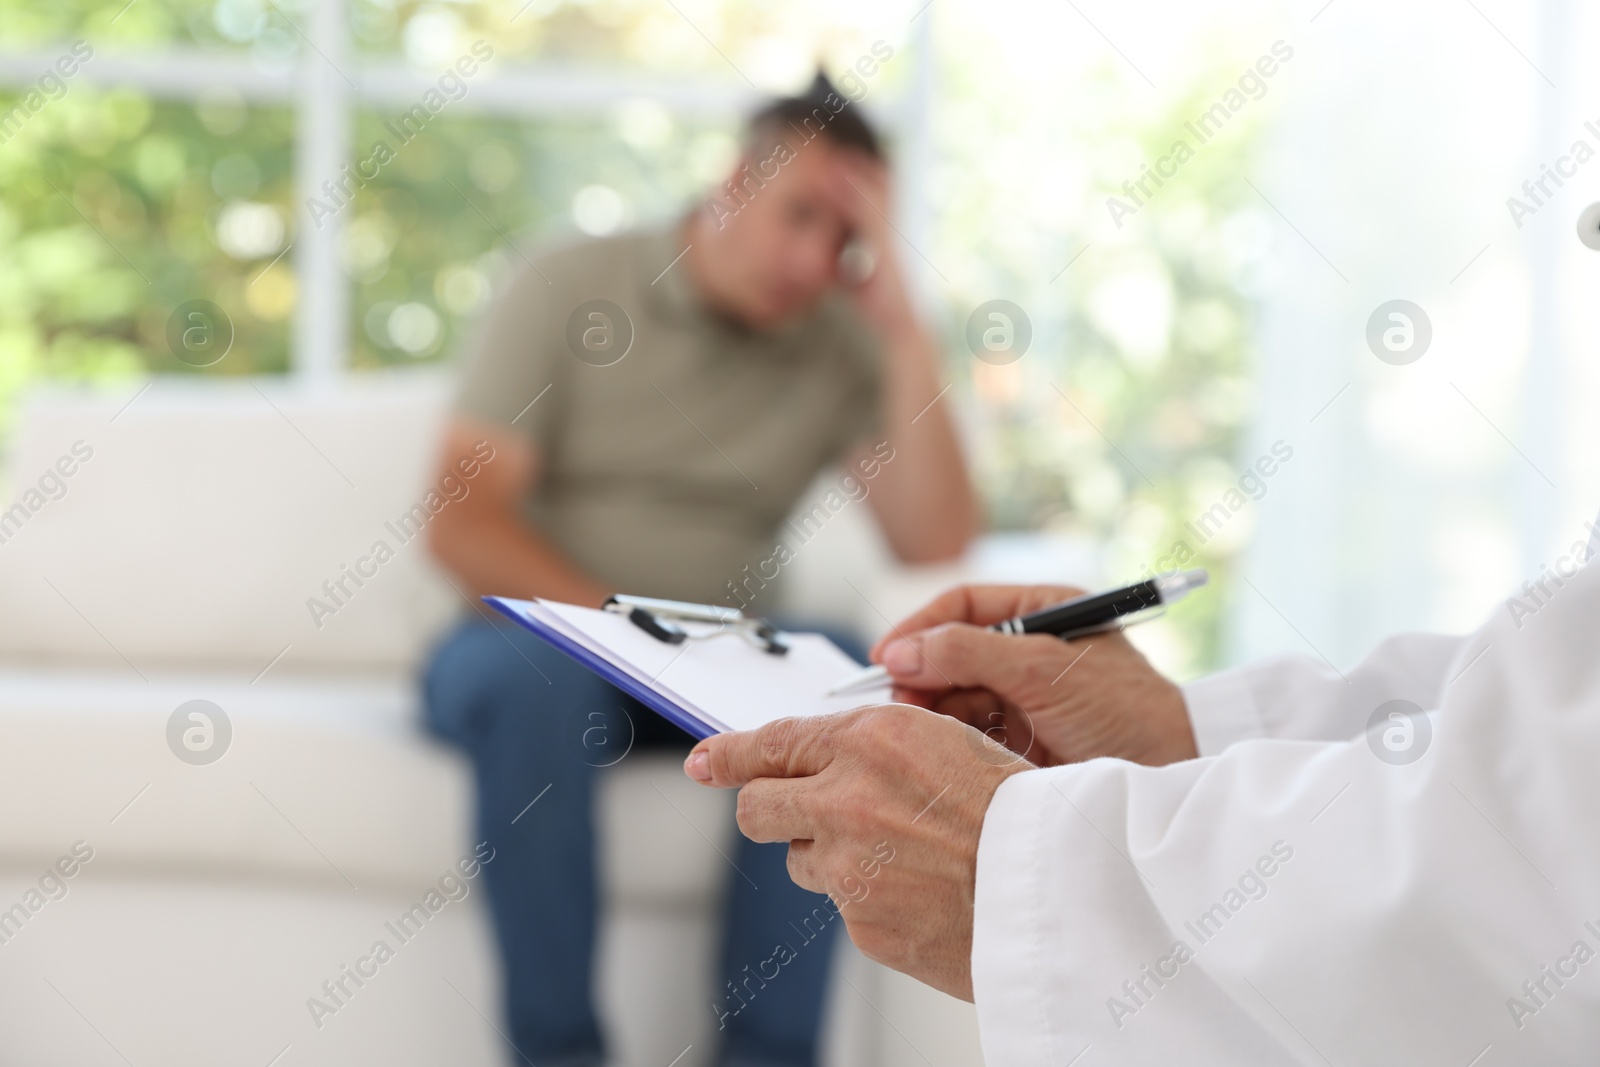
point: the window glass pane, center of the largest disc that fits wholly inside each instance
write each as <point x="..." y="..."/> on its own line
<point x="1125" y="423"/>
<point x="767" y="45"/>
<point x="424" y="239"/>
<point x="118" y="209"/>
<point x="253" y="26"/>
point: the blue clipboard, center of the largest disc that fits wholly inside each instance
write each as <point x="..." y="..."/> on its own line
<point x="651" y="699"/>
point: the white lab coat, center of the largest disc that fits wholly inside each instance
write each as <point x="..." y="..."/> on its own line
<point x="1298" y="900"/>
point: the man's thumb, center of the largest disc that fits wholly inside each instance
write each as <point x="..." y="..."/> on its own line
<point x="957" y="656"/>
<point x="785" y="748"/>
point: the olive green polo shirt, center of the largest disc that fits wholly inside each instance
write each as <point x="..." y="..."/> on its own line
<point x="672" y="442"/>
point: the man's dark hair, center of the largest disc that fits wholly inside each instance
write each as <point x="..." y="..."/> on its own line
<point x="820" y="110"/>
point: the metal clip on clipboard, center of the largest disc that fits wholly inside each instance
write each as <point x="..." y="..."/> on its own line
<point x="663" y="619"/>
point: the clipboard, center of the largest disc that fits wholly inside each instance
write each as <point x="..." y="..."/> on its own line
<point x="704" y="686"/>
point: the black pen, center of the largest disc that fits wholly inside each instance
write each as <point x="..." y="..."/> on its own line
<point x="1079" y="617"/>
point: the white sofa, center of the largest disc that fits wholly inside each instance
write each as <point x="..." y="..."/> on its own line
<point x="175" y="565"/>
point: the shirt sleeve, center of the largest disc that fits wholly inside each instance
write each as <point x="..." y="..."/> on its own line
<point x="1307" y="699"/>
<point x="512" y="362"/>
<point x="1309" y="902"/>
<point x="860" y="415"/>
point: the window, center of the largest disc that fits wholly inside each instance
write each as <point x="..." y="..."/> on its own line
<point x="199" y="153"/>
<point x="196" y="149"/>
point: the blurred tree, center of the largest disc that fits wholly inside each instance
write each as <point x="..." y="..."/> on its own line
<point x="1123" y="421"/>
<point x="116" y="210"/>
<point x="425" y="241"/>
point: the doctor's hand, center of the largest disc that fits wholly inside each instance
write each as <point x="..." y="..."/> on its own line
<point x="882" y="808"/>
<point x="1049" y="700"/>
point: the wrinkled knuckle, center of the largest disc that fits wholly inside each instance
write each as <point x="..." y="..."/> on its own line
<point x="904" y="716"/>
<point x="747" y="811"/>
<point x="774" y="743"/>
<point x="875" y="725"/>
<point x="825" y="738"/>
<point x="898" y="722"/>
<point x="802" y="867"/>
<point x="865" y="731"/>
<point x="854" y="727"/>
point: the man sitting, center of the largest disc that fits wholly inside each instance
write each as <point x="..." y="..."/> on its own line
<point x="655" y="404"/>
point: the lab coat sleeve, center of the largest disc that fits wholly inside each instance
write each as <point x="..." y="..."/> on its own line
<point x="1293" y="901"/>
<point x="1303" y="697"/>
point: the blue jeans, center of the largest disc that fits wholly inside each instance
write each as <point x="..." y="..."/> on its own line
<point x="539" y="728"/>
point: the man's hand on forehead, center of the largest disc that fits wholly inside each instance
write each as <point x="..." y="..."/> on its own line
<point x="859" y="191"/>
<point x="860" y="188"/>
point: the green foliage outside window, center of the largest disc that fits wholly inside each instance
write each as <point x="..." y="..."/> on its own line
<point x="427" y="237"/>
<point x="118" y="208"/>
<point x="1124" y="420"/>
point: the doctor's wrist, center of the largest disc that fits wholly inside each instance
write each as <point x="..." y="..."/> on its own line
<point x="1175" y="732"/>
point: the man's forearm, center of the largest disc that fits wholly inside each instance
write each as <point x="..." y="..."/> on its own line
<point x="924" y="499"/>
<point x="499" y="555"/>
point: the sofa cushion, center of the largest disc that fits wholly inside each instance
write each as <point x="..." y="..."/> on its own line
<point x="326" y="781"/>
<point x="200" y="520"/>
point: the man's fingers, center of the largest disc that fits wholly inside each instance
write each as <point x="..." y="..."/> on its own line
<point x="979" y="605"/>
<point x="959" y="656"/>
<point x="865" y="179"/>
<point x="776" y="809"/>
<point x="850" y="199"/>
<point x="805" y="870"/>
<point x="788" y="748"/>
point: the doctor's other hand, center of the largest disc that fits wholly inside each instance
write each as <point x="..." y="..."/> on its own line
<point x="882" y="808"/>
<point x="1048" y="700"/>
